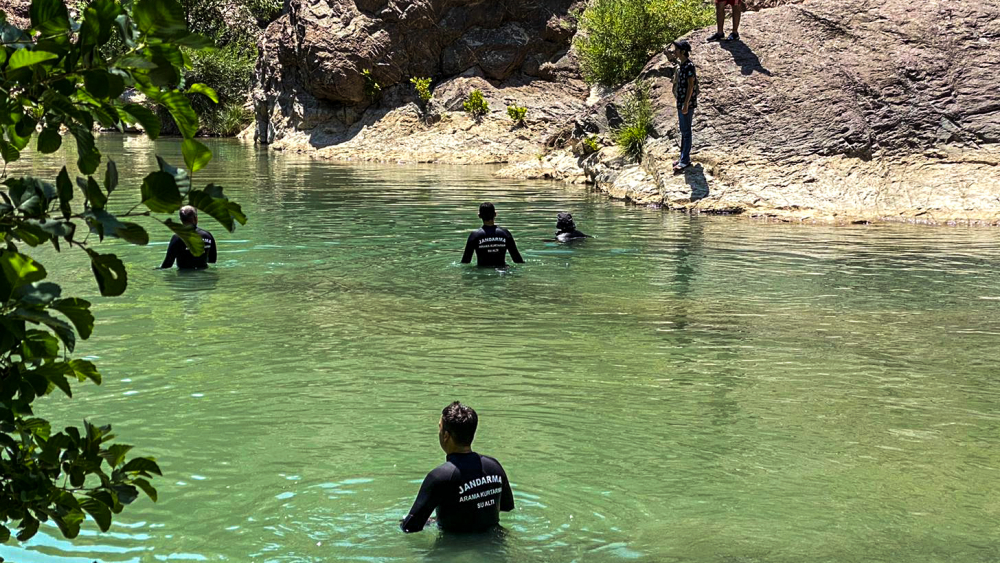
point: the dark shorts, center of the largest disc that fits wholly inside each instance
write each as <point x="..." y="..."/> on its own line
<point x="730" y="2"/>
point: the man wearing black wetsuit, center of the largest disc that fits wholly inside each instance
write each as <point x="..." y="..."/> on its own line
<point x="178" y="251"/>
<point x="469" y="490"/>
<point x="490" y="242"/>
<point x="566" y="228"/>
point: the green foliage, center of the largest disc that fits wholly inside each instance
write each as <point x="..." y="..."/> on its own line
<point x="68" y="73"/>
<point x="590" y="144"/>
<point x="475" y="105"/>
<point x="637" y="126"/>
<point x="372" y="89"/>
<point x="517" y="113"/>
<point x="265" y="11"/>
<point x="423" y="87"/>
<point x="229" y="120"/>
<point x="620" y="36"/>
<point x="228" y="71"/>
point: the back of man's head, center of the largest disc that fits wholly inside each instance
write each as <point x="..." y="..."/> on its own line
<point x="189" y="215"/>
<point x="487" y="212"/>
<point x="460" y="421"/>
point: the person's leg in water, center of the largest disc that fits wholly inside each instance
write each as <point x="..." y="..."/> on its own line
<point x="685" y="122"/>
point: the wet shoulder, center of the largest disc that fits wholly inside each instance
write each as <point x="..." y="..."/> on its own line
<point x="490" y="464"/>
<point x="447" y="471"/>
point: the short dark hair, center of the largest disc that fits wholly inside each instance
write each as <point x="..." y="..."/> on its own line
<point x="564" y="222"/>
<point x="487" y="211"/>
<point x="460" y="421"/>
<point x="683" y="45"/>
<point x="188" y="214"/>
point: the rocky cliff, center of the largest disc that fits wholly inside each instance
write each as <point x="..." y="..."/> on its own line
<point x="848" y="110"/>
<point x="311" y="91"/>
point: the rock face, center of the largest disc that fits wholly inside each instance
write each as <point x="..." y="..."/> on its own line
<point x="858" y="109"/>
<point x="311" y="69"/>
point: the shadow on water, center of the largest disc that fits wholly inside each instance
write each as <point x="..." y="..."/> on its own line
<point x="187" y="281"/>
<point x="744" y="56"/>
<point x="492" y="546"/>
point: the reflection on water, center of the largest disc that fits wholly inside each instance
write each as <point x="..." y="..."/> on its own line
<point x="675" y="389"/>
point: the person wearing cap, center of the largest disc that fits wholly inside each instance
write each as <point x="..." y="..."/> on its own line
<point x="686" y="93"/>
<point x="566" y="228"/>
<point x="178" y="251"/>
<point x="490" y="242"/>
<point x="739" y="6"/>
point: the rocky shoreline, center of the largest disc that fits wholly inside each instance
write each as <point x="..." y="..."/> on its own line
<point x="858" y="111"/>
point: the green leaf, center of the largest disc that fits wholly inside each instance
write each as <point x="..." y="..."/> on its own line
<point x="165" y="75"/>
<point x="38" y="293"/>
<point x="19" y="141"/>
<point x="180" y="108"/>
<point x="54" y="227"/>
<point x="115" y="454"/>
<point x="106" y="224"/>
<point x="126" y="30"/>
<point x="49" y="140"/>
<point x="39" y="345"/>
<point x="196" y="154"/>
<point x="146" y="488"/>
<point x="69" y="524"/>
<point x="95" y="196"/>
<point x="189" y="235"/>
<point x="97" y="83"/>
<point x="137" y="62"/>
<point x="19" y="269"/>
<point x="160" y="18"/>
<point x="78" y="312"/>
<point x="62" y="329"/>
<point x="5" y="533"/>
<point x="49" y="16"/>
<point x="89" y="156"/>
<point x="65" y="188"/>
<point x="111" y="177"/>
<point x="180" y="175"/>
<point x="99" y="511"/>
<point x="146" y="464"/>
<point x="28" y="527"/>
<point x="160" y="193"/>
<point x="213" y="202"/>
<point x="83" y="369"/>
<point x="200" y="88"/>
<point x="145" y="117"/>
<point x="109" y="271"/>
<point x="8" y="152"/>
<point x="24" y="58"/>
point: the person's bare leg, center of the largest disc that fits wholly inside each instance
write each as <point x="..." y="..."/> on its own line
<point x="736" y="18"/>
<point x="720" y="15"/>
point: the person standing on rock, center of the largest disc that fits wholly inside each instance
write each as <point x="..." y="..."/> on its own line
<point x="490" y="242"/>
<point x="686" y="92"/>
<point x="739" y="6"/>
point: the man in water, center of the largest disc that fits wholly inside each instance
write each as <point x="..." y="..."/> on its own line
<point x="490" y="242"/>
<point x="469" y="490"/>
<point x="178" y="251"/>
<point x="566" y="228"/>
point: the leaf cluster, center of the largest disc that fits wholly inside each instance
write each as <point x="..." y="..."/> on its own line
<point x="475" y="105"/>
<point x="423" y="87"/>
<point x="620" y="36"/>
<point x="60" y="76"/>
<point x="590" y="144"/>
<point x="373" y="91"/>
<point x="637" y="122"/>
<point x="517" y="113"/>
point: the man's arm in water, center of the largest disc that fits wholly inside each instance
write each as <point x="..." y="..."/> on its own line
<point x="423" y="507"/>
<point x="470" y="247"/>
<point x="211" y="252"/>
<point x="506" y="494"/>
<point x="512" y="248"/>
<point x="172" y="249"/>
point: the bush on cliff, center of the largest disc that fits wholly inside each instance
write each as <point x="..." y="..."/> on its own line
<point x="619" y="36"/>
<point x="475" y="105"/>
<point x="637" y="122"/>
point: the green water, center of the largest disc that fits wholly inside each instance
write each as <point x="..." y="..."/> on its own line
<point x="676" y="389"/>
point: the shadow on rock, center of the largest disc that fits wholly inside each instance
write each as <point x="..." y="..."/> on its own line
<point x="744" y="56"/>
<point x="695" y="177"/>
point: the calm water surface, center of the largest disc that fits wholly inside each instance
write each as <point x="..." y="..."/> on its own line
<point x="675" y="389"/>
